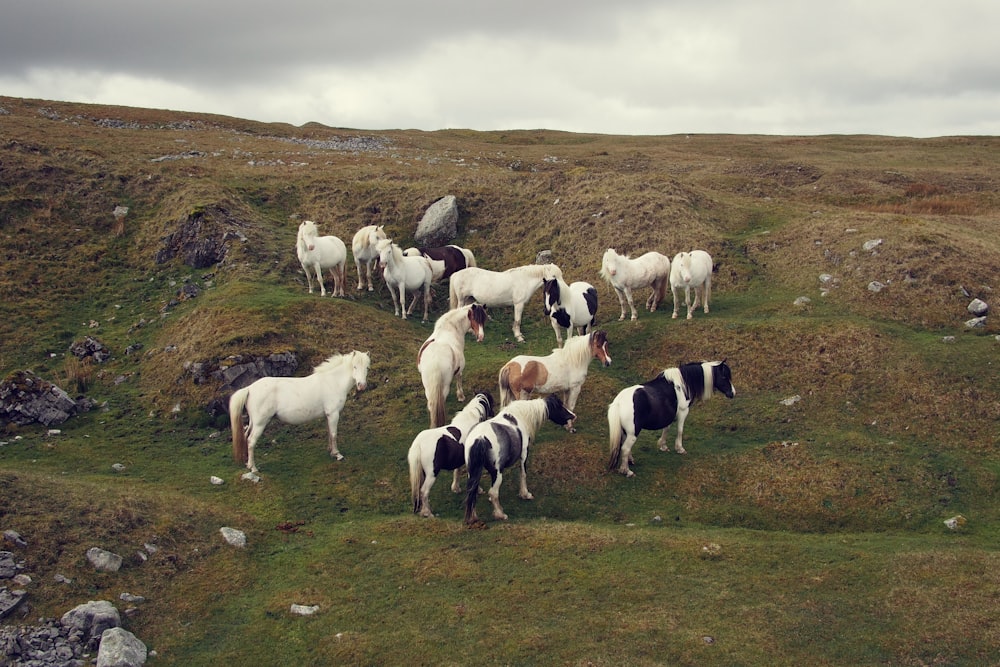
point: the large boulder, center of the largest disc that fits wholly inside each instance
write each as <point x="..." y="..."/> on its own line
<point x="92" y="619"/>
<point x="439" y="226"/>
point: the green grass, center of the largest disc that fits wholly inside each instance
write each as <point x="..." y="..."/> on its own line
<point x="796" y="534"/>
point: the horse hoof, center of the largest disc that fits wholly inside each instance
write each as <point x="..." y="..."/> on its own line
<point x="338" y="456"/>
<point x="629" y="473"/>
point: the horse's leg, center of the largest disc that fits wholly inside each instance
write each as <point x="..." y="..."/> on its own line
<point x="687" y="299"/>
<point x="625" y="457"/>
<point x="518" y="310"/>
<point x="631" y="304"/>
<point x="455" y="486"/>
<point x="558" y="330"/>
<point x="425" y="494"/>
<point x="309" y="280"/>
<point x="459" y="392"/>
<point x="525" y="494"/>
<point x="256" y="429"/>
<point x="413" y="304"/>
<point x="682" y="413"/>
<point x="662" y="442"/>
<point x="319" y="279"/>
<point x="494" y="496"/>
<point x="673" y="291"/>
<point x="706" y="291"/>
<point x="361" y="276"/>
<point x="621" y="301"/>
<point x="427" y="300"/>
<point x="572" y="394"/>
<point x="331" y="423"/>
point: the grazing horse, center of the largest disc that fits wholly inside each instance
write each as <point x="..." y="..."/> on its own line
<point x="562" y="372"/>
<point x="443" y="448"/>
<point x="403" y="274"/>
<point x="296" y="400"/>
<point x="691" y="269"/>
<point x="441" y="358"/>
<point x="363" y="248"/>
<point x="445" y="260"/>
<point x="655" y="404"/>
<point x="500" y="442"/>
<point x="569" y="306"/>
<point x="625" y="274"/>
<point x="319" y="253"/>
<point x="513" y="287"/>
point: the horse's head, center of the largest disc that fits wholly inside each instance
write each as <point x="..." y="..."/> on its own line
<point x="307" y="234"/>
<point x="550" y="291"/>
<point x="558" y="412"/>
<point x="599" y="346"/>
<point x="682" y="266"/>
<point x="477" y="321"/>
<point x="609" y="264"/>
<point x="722" y="379"/>
<point x="376" y="234"/>
<point x="359" y="369"/>
<point x="383" y="247"/>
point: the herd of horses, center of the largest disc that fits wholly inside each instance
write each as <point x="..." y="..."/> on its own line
<point x="485" y="436"/>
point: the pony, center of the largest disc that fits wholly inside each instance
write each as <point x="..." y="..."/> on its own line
<point x="319" y="253"/>
<point x="445" y="260"/>
<point x="363" y="248"/>
<point x="625" y="274"/>
<point x="498" y="443"/>
<point x="569" y="306"/>
<point x="403" y="274"/>
<point x="691" y="269"/>
<point x="513" y="287"/>
<point x="441" y="358"/>
<point x="655" y="404"/>
<point x="443" y="448"/>
<point x="563" y="371"/>
<point x="296" y="400"/>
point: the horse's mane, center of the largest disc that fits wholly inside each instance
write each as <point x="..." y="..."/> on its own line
<point x="333" y="363"/>
<point x="577" y="349"/>
<point x="695" y="378"/>
<point x="531" y="413"/>
<point x="604" y="263"/>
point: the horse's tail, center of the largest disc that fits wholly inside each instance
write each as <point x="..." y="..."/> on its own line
<point x="506" y="394"/>
<point x="237" y="402"/>
<point x="416" y="474"/>
<point x="615" y="434"/>
<point x="434" y="389"/>
<point x="476" y="463"/>
<point x="660" y="289"/>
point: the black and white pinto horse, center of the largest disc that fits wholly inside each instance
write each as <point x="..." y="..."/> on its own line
<point x="656" y="404"/>
<point x="500" y="442"/>
<point x="445" y="260"/>
<point x="570" y="306"/>
<point x="443" y="448"/>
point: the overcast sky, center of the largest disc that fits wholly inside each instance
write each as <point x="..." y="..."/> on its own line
<point x="790" y="67"/>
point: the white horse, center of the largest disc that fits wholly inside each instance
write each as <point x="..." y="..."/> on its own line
<point x="441" y="358"/>
<point x="625" y="274"/>
<point x="296" y="400"/>
<point x="319" y="253"/>
<point x="691" y="269"/>
<point x="569" y="306"/>
<point x="363" y="248"/>
<point x="443" y="448"/>
<point x="404" y="274"/>
<point x="562" y="372"/>
<point x="513" y="287"/>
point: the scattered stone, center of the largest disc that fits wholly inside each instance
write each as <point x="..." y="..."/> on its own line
<point x="233" y="537"/>
<point x="92" y="619"/>
<point x="118" y="467"/>
<point x="876" y="286"/>
<point x="976" y="323"/>
<point x="14" y="537"/>
<point x="791" y="400"/>
<point x="802" y="301"/>
<point x="9" y="600"/>
<point x="90" y="348"/>
<point x="872" y="244"/>
<point x="711" y="551"/>
<point x="216" y="480"/>
<point x="825" y="278"/>
<point x="304" y="610"/>
<point x="978" y="307"/>
<point x="61" y="579"/>
<point x="8" y="566"/>
<point x="26" y="398"/>
<point x="948" y="339"/>
<point x="250" y="476"/>
<point x="120" y="648"/>
<point x="104" y="561"/>
<point x="544" y="257"/>
<point x="131" y="599"/>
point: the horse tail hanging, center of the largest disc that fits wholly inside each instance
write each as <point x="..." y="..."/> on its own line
<point x="452" y="294"/>
<point x="615" y="434"/>
<point x="506" y="394"/>
<point x="237" y="402"/>
<point x="416" y="475"/>
<point x="436" y="400"/>
<point x="476" y="463"/>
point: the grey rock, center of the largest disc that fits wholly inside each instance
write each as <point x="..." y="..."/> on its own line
<point x="978" y="307"/>
<point x="104" y="560"/>
<point x="120" y="648"/>
<point x="92" y="619"/>
<point x="439" y="226"/>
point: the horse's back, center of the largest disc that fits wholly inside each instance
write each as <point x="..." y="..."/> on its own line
<point x="655" y="404"/>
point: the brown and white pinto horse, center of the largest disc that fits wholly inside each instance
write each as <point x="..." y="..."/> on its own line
<point x="441" y="358"/>
<point x="445" y="260"/>
<point x="562" y="372"/>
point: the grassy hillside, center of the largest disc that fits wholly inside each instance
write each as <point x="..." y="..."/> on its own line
<point x="809" y="533"/>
